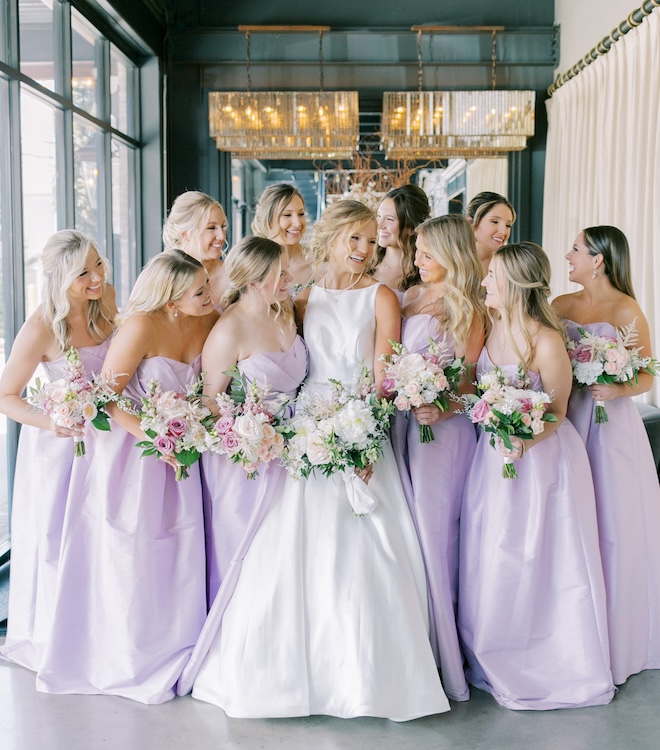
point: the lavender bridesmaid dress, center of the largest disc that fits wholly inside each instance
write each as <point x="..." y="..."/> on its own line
<point x="234" y="504"/>
<point x="37" y="516"/>
<point x="628" y="509"/>
<point x="531" y="610"/>
<point x="131" y="597"/>
<point x="433" y="476"/>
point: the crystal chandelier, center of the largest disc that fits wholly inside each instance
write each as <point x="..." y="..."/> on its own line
<point x="444" y="124"/>
<point x="285" y="124"/>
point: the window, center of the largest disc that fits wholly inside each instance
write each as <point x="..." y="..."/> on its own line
<point x="69" y="157"/>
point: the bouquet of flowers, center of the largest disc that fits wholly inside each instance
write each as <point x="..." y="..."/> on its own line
<point x="250" y="427"/>
<point x="507" y="407"/>
<point x="75" y="399"/>
<point x="177" y="424"/>
<point x="339" y="433"/>
<point x="416" y="379"/>
<point x="605" y="359"/>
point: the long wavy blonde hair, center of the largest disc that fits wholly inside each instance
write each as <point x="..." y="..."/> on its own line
<point x="189" y="215"/>
<point x="342" y="216"/>
<point x="165" y="278"/>
<point x="63" y="260"/>
<point x="451" y="242"/>
<point x="525" y="287"/>
<point x="251" y="261"/>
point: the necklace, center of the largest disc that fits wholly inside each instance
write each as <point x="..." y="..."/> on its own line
<point x="346" y="289"/>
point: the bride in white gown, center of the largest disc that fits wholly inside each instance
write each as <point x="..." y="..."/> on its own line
<point x="330" y="613"/>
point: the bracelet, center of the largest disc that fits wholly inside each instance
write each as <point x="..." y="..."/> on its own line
<point x="523" y="448"/>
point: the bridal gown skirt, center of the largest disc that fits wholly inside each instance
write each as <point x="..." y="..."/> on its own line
<point x="329" y="615"/>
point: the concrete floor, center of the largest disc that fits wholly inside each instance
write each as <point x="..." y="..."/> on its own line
<point x="33" y="721"/>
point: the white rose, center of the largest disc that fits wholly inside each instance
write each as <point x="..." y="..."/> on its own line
<point x="247" y="426"/>
<point x="318" y="451"/>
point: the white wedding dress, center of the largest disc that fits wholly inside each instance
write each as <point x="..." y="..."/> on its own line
<point x="330" y="614"/>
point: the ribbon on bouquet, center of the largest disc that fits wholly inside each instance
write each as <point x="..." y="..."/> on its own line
<point x="362" y="499"/>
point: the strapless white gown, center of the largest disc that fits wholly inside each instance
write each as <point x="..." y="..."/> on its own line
<point x="330" y="613"/>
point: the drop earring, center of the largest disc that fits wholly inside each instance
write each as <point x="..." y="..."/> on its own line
<point x="176" y="312"/>
<point x="594" y="274"/>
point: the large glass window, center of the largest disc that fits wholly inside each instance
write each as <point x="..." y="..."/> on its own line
<point x="38" y="161"/>
<point x="69" y="158"/>
<point x="38" y="43"/>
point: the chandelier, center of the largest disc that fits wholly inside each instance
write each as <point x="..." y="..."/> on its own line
<point x="285" y="124"/>
<point x="443" y="124"/>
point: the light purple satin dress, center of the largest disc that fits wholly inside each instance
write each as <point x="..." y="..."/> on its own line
<point x="531" y="610"/>
<point x="131" y="597"/>
<point x="41" y="484"/>
<point x="433" y="477"/>
<point x="234" y="504"/>
<point x="628" y="508"/>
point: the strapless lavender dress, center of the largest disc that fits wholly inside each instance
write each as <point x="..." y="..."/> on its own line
<point x="531" y="609"/>
<point x="131" y="597"/>
<point x="41" y="484"/>
<point x="433" y="477"/>
<point x="234" y="505"/>
<point x="628" y="508"/>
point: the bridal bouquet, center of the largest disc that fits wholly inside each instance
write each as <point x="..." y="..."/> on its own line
<point x="177" y="424"/>
<point x="340" y="432"/>
<point x="605" y="359"/>
<point x="250" y="427"/>
<point x="75" y="399"/>
<point x="507" y="407"/>
<point x="416" y="379"/>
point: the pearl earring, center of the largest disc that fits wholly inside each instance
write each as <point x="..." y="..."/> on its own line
<point x="594" y="274"/>
<point x="176" y="312"/>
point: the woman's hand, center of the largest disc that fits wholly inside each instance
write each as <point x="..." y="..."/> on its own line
<point x="67" y="432"/>
<point x="170" y="461"/>
<point x="516" y="452"/>
<point x="366" y="473"/>
<point x="609" y="391"/>
<point x="430" y="414"/>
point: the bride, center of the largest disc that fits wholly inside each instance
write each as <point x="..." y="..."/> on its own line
<point x="330" y="613"/>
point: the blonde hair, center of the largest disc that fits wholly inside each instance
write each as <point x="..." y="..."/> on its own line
<point x="342" y="216"/>
<point x="63" y="260"/>
<point x="189" y="214"/>
<point x="165" y="278"/>
<point x="251" y="261"/>
<point x="526" y="275"/>
<point x="271" y="203"/>
<point x="450" y="240"/>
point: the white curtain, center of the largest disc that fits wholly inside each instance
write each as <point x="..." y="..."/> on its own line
<point x="487" y="174"/>
<point x="603" y="161"/>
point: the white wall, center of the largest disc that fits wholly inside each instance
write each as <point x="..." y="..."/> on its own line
<point x="583" y="23"/>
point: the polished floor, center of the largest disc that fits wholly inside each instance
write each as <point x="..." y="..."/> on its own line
<point x="33" y="721"/>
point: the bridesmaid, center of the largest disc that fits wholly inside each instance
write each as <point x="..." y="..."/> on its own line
<point x="280" y="216"/>
<point x="492" y="217"/>
<point x="257" y="333"/>
<point x="531" y="608"/>
<point x="627" y="491"/>
<point x="78" y="309"/>
<point x="401" y="211"/>
<point x="197" y="225"/>
<point x="131" y="598"/>
<point x="446" y="305"/>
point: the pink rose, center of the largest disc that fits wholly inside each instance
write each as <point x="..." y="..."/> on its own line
<point x="526" y="405"/>
<point x="387" y="386"/>
<point x="177" y="427"/>
<point x="416" y="401"/>
<point x="441" y="382"/>
<point x="412" y="389"/>
<point x="581" y="353"/>
<point x="164" y="444"/>
<point x="526" y="419"/>
<point x="401" y="403"/>
<point x="611" y="368"/>
<point x="480" y="411"/>
<point x="229" y="443"/>
<point x="224" y="425"/>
